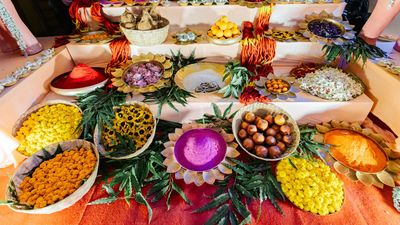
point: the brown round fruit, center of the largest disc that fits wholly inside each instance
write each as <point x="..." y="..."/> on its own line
<point x="278" y="137"/>
<point x="285" y="129"/>
<point x="275" y="127"/>
<point x="270" y="140"/>
<point x="248" y="144"/>
<point x="274" y="152"/>
<point x="262" y="124"/>
<point x="258" y="138"/>
<point x="270" y="132"/>
<point x="261" y="151"/>
<point x="269" y="119"/>
<point x="251" y="129"/>
<point x="287" y="139"/>
<point x="281" y="146"/>
<point x="249" y="117"/>
<point x="242" y="134"/>
<point x="257" y="119"/>
<point x="244" y="125"/>
<point x="280" y="120"/>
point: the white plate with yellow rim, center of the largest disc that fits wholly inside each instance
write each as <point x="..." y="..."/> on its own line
<point x="193" y="77"/>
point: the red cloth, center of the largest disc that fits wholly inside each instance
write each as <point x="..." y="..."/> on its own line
<point x="363" y="206"/>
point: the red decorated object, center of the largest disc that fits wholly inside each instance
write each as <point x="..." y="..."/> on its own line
<point x="81" y="76"/>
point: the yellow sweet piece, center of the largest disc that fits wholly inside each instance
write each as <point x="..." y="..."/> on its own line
<point x="48" y="125"/>
<point x="223" y="26"/>
<point x="224" y="19"/>
<point x="312" y="186"/>
<point x="220" y="34"/>
<point x="57" y="178"/>
<point x="228" y="33"/>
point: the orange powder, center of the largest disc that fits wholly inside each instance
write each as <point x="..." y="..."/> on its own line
<point x="356" y="151"/>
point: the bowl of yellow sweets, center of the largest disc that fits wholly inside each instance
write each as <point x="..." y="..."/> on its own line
<point x="54" y="178"/>
<point x="224" y="32"/>
<point x="45" y="124"/>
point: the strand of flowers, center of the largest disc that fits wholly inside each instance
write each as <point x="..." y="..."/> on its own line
<point x="28" y="68"/>
<point x="10" y="24"/>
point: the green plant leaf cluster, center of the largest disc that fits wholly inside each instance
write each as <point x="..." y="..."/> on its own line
<point x="167" y="95"/>
<point x="248" y="182"/>
<point x="124" y="147"/>
<point x="308" y="147"/>
<point x="132" y="175"/>
<point x="219" y="119"/>
<point x="239" y="78"/>
<point x="352" y="51"/>
<point x="170" y="95"/>
<point x="97" y="107"/>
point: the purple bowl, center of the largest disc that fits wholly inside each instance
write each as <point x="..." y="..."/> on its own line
<point x="200" y="149"/>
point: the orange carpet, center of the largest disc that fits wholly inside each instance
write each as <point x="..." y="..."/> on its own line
<point x="363" y="206"/>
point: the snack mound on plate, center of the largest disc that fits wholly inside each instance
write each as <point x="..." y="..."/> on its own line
<point x="49" y="124"/>
<point x="332" y="84"/>
<point x="132" y="121"/>
<point x="224" y="29"/>
<point x="57" y="178"/>
<point x="311" y="186"/>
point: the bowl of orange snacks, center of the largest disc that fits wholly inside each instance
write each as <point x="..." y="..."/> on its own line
<point x="224" y="32"/>
<point x="54" y="178"/>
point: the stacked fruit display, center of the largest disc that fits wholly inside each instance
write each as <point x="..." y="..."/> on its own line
<point x="224" y="30"/>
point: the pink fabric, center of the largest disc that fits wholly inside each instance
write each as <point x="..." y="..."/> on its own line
<point x="9" y="44"/>
<point x="380" y="18"/>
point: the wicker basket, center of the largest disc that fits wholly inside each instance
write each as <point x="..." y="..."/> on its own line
<point x="34" y="109"/>
<point x="97" y="139"/>
<point x="33" y="161"/>
<point x="146" y="37"/>
<point x="261" y="109"/>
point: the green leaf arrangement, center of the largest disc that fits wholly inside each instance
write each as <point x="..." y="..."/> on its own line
<point x="308" y="147"/>
<point x="250" y="180"/>
<point x="132" y="175"/>
<point x="97" y="107"/>
<point x="219" y="119"/>
<point x="352" y="51"/>
<point x="170" y="95"/>
<point x="239" y="78"/>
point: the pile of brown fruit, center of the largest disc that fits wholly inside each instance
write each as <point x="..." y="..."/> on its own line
<point x="267" y="137"/>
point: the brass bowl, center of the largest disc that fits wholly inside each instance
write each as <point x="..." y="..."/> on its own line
<point x="275" y="92"/>
<point x="140" y="63"/>
<point x="329" y="21"/>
